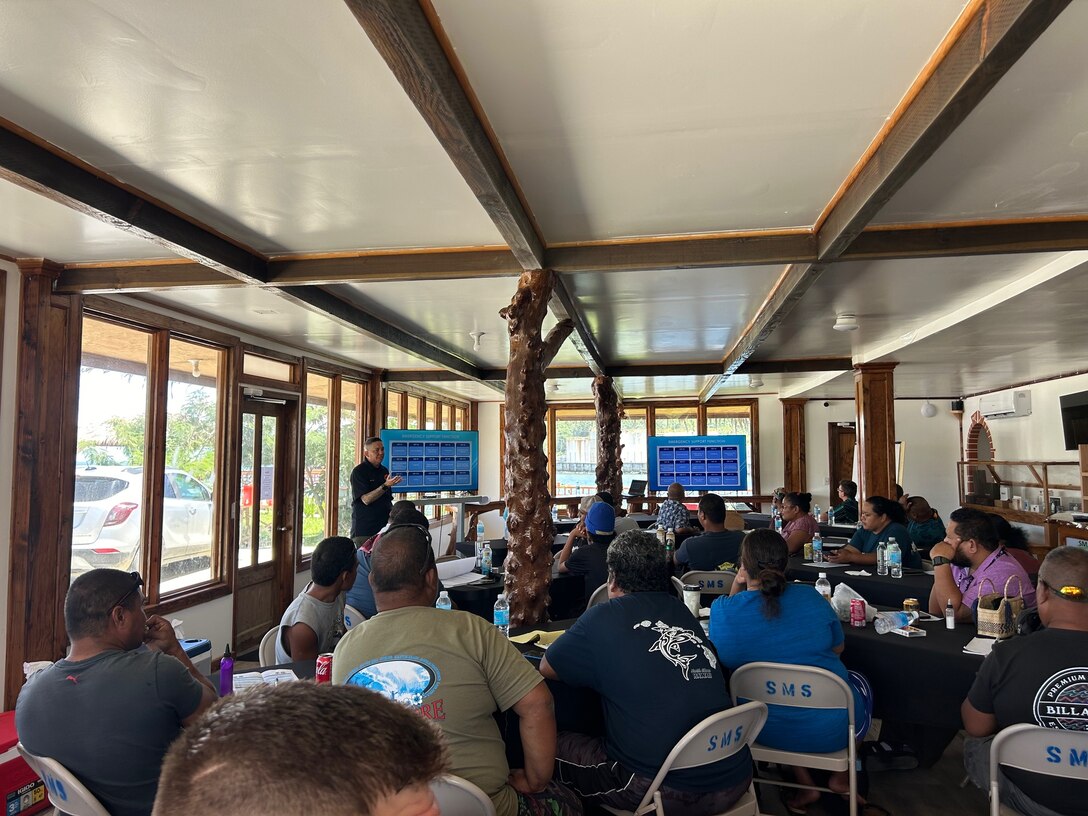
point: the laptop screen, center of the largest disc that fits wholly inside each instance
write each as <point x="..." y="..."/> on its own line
<point x="638" y="487"/>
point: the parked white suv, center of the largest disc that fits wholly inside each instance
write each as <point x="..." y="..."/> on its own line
<point x="106" y="518"/>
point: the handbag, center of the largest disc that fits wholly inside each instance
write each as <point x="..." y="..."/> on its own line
<point x="997" y="611"/>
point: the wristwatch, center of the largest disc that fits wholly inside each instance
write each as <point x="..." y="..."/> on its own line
<point x="938" y="560"/>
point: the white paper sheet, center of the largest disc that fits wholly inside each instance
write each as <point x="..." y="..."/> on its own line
<point x="448" y="570"/>
<point x="979" y="646"/>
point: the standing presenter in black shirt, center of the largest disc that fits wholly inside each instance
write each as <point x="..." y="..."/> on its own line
<point x="371" y="492"/>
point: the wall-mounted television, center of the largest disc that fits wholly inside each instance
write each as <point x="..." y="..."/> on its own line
<point x="1075" y="419"/>
<point x="716" y="463"/>
<point x="433" y="461"/>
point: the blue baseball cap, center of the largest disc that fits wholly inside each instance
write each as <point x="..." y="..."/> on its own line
<point x="601" y="519"/>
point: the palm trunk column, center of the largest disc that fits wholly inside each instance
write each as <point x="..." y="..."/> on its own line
<point x="609" y="450"/>
<point x="531" y="532"/>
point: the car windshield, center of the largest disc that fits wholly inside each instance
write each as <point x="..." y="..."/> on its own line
<point x="96" y="488"/>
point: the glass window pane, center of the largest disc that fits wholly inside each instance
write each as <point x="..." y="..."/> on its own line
<point x="245" y="505"/>
<point x="447" y="417"/>
<point x="724" y="420"/>
<point x="315" y="470"/>
<point x="257" y="366"/>
<point x="192" y="413"/>
<point x="432" y="415"/>
<point x="633" y="439"/>
<point x="459" y="419"/>
<point x="266" y="531"/>
<point x="676" y="421"/>
<point x="413" y="413"/>
<point x="575" y="451"/>
<point x="392" y="410"/>
<point x="107" y="515"/>
<point x="351" y="442"/>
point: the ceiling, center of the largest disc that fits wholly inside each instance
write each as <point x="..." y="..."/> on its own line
<point x="345" y="178"/>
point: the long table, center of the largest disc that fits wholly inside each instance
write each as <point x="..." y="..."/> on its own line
<point x="643" y="520"/>
<point x="879" y="590"/>
<point x="568" y="596"/>
<point x="499" y="548"/>
<point x="756" y="521"/>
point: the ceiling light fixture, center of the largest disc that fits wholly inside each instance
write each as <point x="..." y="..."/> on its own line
<point x="846" y="322"/>
<point x="476" y="335"/>
<point x="196" y="367"/>
<point x="929" y="410"/>
<point x="755" y="381"/>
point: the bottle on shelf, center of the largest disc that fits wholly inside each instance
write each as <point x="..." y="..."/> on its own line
<point x="485" y="560"/>
<point x="823" y="586"/>
<point x="949" y="615"/>
<point x="817" y="549"/>
<point x="226" y="673"/>
<point x="886" y="621"/>
<point x="895" y="558"/>
<point x="502" y="614"/>
<point x="881" y="558"/>
<point x="443" y="601"/>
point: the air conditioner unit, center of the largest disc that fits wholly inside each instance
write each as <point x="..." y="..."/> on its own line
<point x="1005" y="404"/>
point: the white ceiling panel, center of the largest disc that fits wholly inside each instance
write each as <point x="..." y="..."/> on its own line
<point x="891" y="299"/>
<point x="1023" y="151"/>
<point x="265" y="313"/>
<point x="275" y="122"/>
<point x="446" y="311"/>
<point x="646" y="117"/>
<point x="676" y="315"/>
<point x="32" y="226"/>
<point x="464" y="390"/>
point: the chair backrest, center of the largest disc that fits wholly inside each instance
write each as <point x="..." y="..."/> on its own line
<point x="792" y="685"/>
<point x="1050" y="751"/>
<point x="352" y="616"/>
<point x="459" y="797"/>
<point x="266" y="653"/>
<point x="600" y="595"/>
<point x="712" y="582"/>
<point x="717" y="737"/>
<point x="678" y="585"/>
<point x="67" y="793"/>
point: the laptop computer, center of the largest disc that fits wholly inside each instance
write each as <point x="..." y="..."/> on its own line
<point x="637" y="489"/>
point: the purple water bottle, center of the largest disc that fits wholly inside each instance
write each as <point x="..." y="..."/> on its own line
<point x="226" y="673"/>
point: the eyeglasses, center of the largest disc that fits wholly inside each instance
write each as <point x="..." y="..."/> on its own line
<point x="428" y="561"/>
<point x="138" y="582"/>
<point x="1070" y="593"/>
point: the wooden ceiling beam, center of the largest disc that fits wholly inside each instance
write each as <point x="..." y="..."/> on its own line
<point x="957" y="240"/>
<point x="975" y="57"/>
<point x="384" y="268"/>
<point x="130" y="279"/>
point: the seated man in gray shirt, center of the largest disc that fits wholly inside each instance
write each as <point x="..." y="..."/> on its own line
<point x="314" y="621"/>
<point x="716" y="549"/>
<point x="110" y="709"/>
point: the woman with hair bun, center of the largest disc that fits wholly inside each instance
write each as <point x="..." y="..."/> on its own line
<point x="764" y="618"/>
<point x="798" y="525"/>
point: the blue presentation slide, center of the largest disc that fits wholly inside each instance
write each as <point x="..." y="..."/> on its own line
<point x="433" y="461"/>
<point x="717" y="463"/>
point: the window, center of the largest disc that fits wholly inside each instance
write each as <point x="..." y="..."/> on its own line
<point x="432" y="415"/>
<point x="676" y="421"/>
<point x="392" y="409"/>
<point x="352" y="399"/>
<point x="256" y="366"/>
<point x="315" y="467"/>
<point x="459" y="419"/>
<point x="575" y="451"/>
<point x="447" y="417"/>
<point x="189" y="538"/>
<point x="733" y="419"/>
<point x="633" y="439"/>
<point x="414" y="413"/>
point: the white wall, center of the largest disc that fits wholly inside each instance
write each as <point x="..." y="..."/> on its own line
<point x="9" y="322"/>
<point x="490" y="485"/>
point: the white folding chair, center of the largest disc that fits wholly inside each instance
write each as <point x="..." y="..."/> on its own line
<point x="266" y="652"/>
<point x="600" y="595"/>
<point x="352" y="616"/>
<point x="459" y="797"/>
<point x="803" y="687"/>
<point x="717" y="737"/>
<point x="1049" y="751"/>
<point x="67" y="794"/>
<point x="679" y="585"/>
<point x="712" y="582"/>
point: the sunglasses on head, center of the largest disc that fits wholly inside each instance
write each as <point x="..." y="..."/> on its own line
<point x="428" y="562"/>
<point x="1070" y="593"/>
<point x="137" y="583"/>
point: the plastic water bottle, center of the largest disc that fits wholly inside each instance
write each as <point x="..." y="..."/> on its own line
<point x="817" y="549"/>
<point x="502" y="614"/>
<point x="670" y="542"/>
<point x="443" y="601"/>
<point x="778" y="524"/>
<point x="485" y="560"/>
<point x="831" y="515"/>
<point x="823" y="586"/>
<point x="881" y="558"/>
<point x="480" y="531"/>
<point x="886" y="621"/>
<point x="816" y="512"/>
<point x="555" y="514"/>
<point x="226" y="673"/>
<point x="895" y="558"/>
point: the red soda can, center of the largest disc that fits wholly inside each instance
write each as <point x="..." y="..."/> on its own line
<point x="324" y="668"/>
<point x="857" y="613"/>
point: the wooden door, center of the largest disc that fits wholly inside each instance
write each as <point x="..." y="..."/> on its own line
<point x="266" y="519"/>
<point x="841" y="444"/>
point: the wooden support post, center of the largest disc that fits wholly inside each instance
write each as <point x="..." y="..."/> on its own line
<point x="375" y="408"/>
<point x="609" y="450"/>
<point x="793" y="443"/>
<point x="874" y="399"/>
<point x="529" y="553"/>
<point x="42" y="475"/>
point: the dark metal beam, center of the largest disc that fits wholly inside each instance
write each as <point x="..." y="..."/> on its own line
<point x="408" y="266"/>
<point x="564" y="306"/>
<point x="956" y="240"/>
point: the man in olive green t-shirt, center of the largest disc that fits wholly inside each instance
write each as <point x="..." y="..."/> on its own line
<point x="455" y="669"/>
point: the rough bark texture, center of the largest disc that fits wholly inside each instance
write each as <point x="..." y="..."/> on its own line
<point x="609" y="449"/>
<point x="531" y="532"/>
